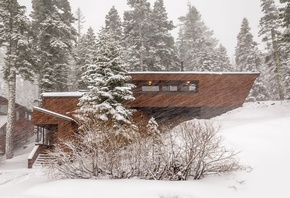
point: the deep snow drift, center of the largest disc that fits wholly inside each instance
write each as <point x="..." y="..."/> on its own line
<point x="261" y="131"/>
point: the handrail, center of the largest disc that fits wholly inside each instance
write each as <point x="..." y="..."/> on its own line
<point x="33" y="155"/>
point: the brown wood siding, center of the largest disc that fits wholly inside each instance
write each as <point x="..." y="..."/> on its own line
<point x="213" y="90"/>
<point x="62" y="105"/>
<point x="65" y="128"/>
<point x="23" y="128"/>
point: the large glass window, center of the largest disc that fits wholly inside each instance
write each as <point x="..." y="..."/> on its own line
<point x="150" y="88"/>
<point x="192" y="87"/>
<point x="27" y="115"/>
<point x="169" y="88"/>
<point x="43" y="136"/>
<point x="166" y="86"/>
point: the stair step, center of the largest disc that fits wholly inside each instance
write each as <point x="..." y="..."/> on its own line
<point x="46" y="157"/>
<point x="43" y="159"/>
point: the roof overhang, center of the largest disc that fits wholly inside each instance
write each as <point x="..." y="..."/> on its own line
<point x="190" y="73"/>
<point x="53" y="114"/>
<point x="63" y="94"/>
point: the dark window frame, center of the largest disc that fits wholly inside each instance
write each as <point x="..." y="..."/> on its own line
<point x="163" y="84"/>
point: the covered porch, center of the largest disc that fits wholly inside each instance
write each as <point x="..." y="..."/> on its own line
<point x="50" y="128"/>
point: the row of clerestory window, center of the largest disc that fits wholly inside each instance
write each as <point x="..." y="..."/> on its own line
<point x="166" y="86"/>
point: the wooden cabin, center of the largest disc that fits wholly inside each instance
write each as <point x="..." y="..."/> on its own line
<point x="23" y="125"/>
<point x="170" y="97"/>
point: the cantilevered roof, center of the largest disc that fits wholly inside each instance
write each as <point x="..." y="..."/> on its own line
<point x="191" y="72"/>
<point x="63" y="94"/>
<point x="53" y="113"/>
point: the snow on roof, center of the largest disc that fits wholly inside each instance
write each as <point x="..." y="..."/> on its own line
<point x="193" y="73"/>
<point x="63" y="94"/>
<point x="53" y="113"/>
<point x="3" y="120"/>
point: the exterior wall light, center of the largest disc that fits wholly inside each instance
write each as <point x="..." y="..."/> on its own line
<point x="150" y="83"/>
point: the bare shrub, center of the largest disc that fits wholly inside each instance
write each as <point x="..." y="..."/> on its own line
<point x="189" y="151"/>
<point x="93" y="152"/>
<point x="200" y="150"/>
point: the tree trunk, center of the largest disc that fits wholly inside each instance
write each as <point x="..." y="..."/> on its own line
<point x="11" y="81"/>
<point x="278" y="66"/>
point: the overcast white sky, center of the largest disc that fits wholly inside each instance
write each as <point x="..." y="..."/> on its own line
<point x="224" y="17"/>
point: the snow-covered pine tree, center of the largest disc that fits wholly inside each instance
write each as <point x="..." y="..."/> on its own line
<point x="113" y="22"/>
<point x="195" y="42"/>
<point x="244" y="51"/>
<point x="137" y="28"/>
<point x="222" y="61"/>
<point x="247" y="57"/>
<point x="14" y="37"/>
<point x="104" y="104"/>
<point x="80" y="19"/>
<point x="270" y="26"/>
<point x="54" y="35"/>
<point x="85" y="53"/>
<point x="285" y="16"/>
<point x="162" y="51"/>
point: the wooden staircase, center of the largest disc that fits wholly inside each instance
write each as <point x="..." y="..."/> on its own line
<point x="43" y="160"/>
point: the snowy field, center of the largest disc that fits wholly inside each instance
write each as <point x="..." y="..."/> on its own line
<point x="261" y="131"/>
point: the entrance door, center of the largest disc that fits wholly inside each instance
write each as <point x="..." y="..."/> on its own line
<point x="44" y="134"/>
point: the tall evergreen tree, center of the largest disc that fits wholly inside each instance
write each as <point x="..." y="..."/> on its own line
<point x="137" y="27"/>
<point x="285" y="16"/>
<point x="14" y="36"/>
<point x="223" y="59"/>
<point x="108" y="89"/>
<point x="271" y="36"/>
<point x="248" y="59"/>
<point x="80" y="19"/>
<point x="85" y="55"/>
<point x="54" y="35"/>
<point x="162" y="50"/>
<point x="195" y="42"/>
<point x="113" y="22"/>
<point x="245" y="57"/>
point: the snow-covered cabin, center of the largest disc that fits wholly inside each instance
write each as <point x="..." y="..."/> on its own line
<point x="23" y="125"/>
<point x="170" y="97"/>
<point x="176" y="96"/>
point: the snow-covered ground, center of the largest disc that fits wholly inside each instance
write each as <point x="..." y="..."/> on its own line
<point x="261" y="131"/>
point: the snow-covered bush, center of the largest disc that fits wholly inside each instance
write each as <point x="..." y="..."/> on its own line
<point x="189" y="151"/>
<point x="196" y="149"/>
